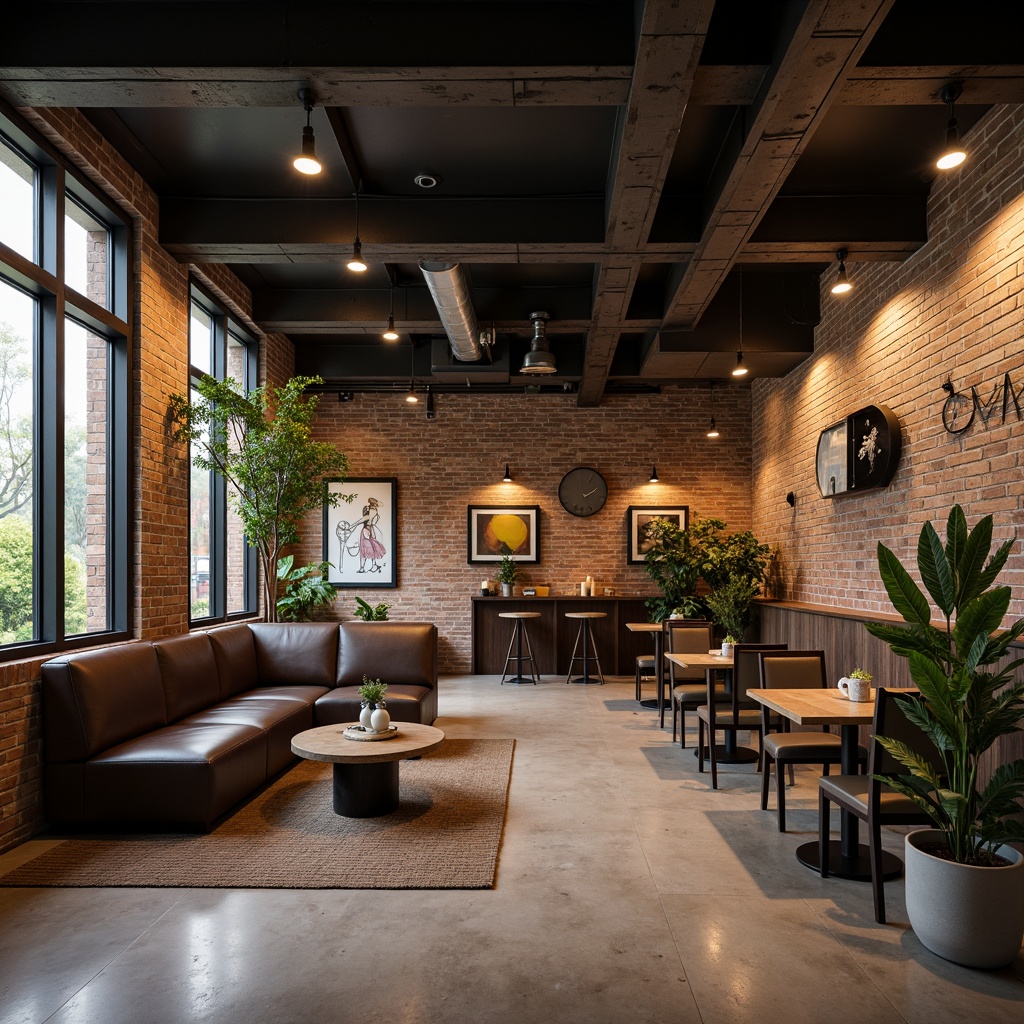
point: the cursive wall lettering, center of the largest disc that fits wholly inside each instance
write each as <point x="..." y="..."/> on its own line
<point x="960" y="409"/>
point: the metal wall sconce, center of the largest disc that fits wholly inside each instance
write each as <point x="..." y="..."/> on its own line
<point x="953" y="154"/>
<point x="791" y="499"/>
<point x="507" y="478"/>
<point x="842" y="285"/>
<point x="654" y="474"/>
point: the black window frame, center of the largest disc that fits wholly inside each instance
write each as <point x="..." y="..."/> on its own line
<point x="43" y="277"/>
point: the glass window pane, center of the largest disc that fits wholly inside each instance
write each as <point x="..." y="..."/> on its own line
<point x="85" y="481"/>
<point x="17" y="202"/>
<point x="86" y="251"/>
<point x="18" y="325"/>
<point x="200" y="339"/>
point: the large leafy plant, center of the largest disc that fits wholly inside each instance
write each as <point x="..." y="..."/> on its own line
<point x="305" y="588"/>
<point x="261" y="443"/>
<point x="966" y="708"/>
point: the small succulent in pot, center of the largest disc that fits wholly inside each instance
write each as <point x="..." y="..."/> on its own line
<point x="372" y="691"/>
<point x="860" y="673"/>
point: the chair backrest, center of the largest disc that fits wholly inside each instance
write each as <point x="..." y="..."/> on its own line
<point x="792" y="670"/>
<point x="746" y="672"/>
<point x="688" y="636"/>
<point x="891" y="722"/>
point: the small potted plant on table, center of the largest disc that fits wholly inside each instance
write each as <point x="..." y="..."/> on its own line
<point x="507" y="574"/>
<point x="373" y="716"/>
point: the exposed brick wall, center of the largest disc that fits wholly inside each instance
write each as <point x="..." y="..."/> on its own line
<point x="457" y="459"/>
<point x="952" y="310"/>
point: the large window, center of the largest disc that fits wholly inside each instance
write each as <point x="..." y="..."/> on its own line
<point x="64" y="415"/>
<point x="223" y="566"/>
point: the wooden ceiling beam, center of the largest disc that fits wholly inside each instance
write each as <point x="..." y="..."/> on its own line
<point x="819" y="50"/>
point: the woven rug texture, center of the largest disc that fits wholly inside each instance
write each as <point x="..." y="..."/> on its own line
<point x="445" y="835"/>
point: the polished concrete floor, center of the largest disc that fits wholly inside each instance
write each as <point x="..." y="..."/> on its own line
<point x="627" y="890"/>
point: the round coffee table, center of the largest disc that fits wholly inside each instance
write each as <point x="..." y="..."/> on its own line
<point x="365" y="772"/>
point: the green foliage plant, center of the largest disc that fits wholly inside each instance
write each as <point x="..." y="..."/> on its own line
<point x="372" y="691"/>
<point x="305" y="588"/>
<point x="261" y="443"/>
<point x="371" y="612"/>
<point x="966" y="707"/>
<point x="507" y="570"/>
<point x="859" y="673"/>
<point x="730" y="605"/>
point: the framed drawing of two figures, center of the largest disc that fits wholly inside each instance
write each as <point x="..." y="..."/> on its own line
<point x="361" y="535"/>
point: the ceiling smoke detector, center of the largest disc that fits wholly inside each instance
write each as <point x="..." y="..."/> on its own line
<point x="539" y="359"/>
<point x="426" y="180"/>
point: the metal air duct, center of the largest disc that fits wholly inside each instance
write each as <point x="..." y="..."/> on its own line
<point x="450" y="293"/>
<point x="540" y="358"/>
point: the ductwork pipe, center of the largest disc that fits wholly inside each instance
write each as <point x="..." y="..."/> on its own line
<point x="450" y="293"/>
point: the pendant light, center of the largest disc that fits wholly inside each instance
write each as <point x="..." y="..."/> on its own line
<point x="306" y="162"/>
<point x="740" y="370"/>
<point x="713" y="430"/>
<point x="355" y="262"/>
<point x="842" y="285"/>
<point x="410" y="396"/>
<point x="953" y="154"/>
<point x="507" y="478"/>
<point x="654" y="474"/>
<point x="390" y="334"/>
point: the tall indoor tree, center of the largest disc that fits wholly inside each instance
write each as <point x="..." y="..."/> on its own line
<point x="261" y="443"/>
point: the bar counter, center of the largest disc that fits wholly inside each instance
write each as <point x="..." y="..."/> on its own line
<point x="553" y="635"/>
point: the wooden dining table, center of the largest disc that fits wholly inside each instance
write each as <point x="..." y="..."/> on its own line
<point x="657" y="631"/>
<point x="728" y="752"/>
<point x="848" y="857"/>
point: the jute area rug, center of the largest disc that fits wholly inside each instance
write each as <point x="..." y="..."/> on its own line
<point x="445" y="835"/>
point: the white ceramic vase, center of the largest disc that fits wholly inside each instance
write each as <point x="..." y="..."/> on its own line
<point x="969" y="915"/>
<point x="364" y="716"/>
<point x="380" y="719"/>
<point x="727" y="650"/>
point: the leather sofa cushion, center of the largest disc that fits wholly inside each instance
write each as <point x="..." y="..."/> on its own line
<point x="93" y="700"/>
<point x="235" y="653"/>
<point x="189" y="672"/>
<point x="394" y="652"/>
<point x="301" y="652"/>
<point x="292" y="694"/>
<point x="342" y="705"/>
<point x="187" y="774"/>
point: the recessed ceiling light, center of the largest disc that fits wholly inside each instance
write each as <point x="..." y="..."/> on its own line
<point x="426" y="180"/>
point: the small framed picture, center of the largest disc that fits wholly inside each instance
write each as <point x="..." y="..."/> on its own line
<point x="361" y="535"/>
<point x="493" y="531"/>
<point x="639" y="519"/>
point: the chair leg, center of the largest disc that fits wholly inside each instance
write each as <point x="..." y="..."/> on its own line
<point x="780" y="786"/>
<point x="824" y="833"/>
<point x="712" y="739"/>
<point x="766" y="772"/>
<point x="675" y="709"/>
<point x="682" y="726"/>
<point x="700" y="744"/>
<point x="877" y="892"/>
<point x="792" y="777"/>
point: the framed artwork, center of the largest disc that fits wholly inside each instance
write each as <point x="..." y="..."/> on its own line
<point x="639" y="518"/>
<point x="361" y="536"/>
<point x="832" y="460"/>
<point x="493" y="530"/>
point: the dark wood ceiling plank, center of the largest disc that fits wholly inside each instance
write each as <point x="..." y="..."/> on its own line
<point x="920" y="86"/>
<point x="823" y="46"/>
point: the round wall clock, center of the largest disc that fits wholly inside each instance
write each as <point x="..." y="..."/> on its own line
<point x="582" y="491"/>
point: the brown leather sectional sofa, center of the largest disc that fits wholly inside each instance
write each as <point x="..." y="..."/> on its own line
<point x="177" y="731"/>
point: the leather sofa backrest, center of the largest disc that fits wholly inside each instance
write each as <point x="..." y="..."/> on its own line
<point x="399" y="652"/>
<point x="296" y="653"/>
<point x="95" y="699"/>
<point x="234" y="650"/>
<point x="189" y="672"/>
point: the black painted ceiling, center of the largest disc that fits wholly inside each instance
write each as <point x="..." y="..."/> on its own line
<point x="631" y="168"/>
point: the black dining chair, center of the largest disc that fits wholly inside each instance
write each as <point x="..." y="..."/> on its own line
<point x="734" y="711"/>
<point x="868" y="797"/>
<point x="794" y="670"/>
<point x="686" y="685"/>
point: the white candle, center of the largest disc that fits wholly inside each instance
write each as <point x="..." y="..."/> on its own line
<point x="483" y="584"/>
<point x="583" y="589"/>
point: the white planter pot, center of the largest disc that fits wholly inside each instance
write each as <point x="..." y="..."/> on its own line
<point x="970" y="915"/>
<point x="727" y="650"/>
<point x="380" y="719"/>
<point x="506" y="589"/>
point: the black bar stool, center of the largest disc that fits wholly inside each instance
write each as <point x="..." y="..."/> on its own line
<point x="519" y="634"/>
<point x="585" y="639"/>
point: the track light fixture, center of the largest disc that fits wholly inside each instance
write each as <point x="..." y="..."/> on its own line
<point x="953" y="154"/>
<point x="356" y="262"/>
<point x="410" y="396"/>
<point x="507" y="478"/>
<point x="740" y="370"/>
<point x="306" y="161"/>
<point x="654" y="474"/>
<point x="841" y="284"/>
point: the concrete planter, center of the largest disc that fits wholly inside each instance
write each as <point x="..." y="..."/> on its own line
<point x="969" y="915"/>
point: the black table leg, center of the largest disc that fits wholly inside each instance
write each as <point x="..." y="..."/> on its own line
<point x="366" y="790"/>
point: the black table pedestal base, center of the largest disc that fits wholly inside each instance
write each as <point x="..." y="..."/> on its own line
<point x="856" y="868"/>
<point x="724" y="754"/>
<point x="366" y="790"/>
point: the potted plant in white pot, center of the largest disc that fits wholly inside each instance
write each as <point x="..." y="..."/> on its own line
<point x="507" y="574"/>
<point x="965" y="885"/>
